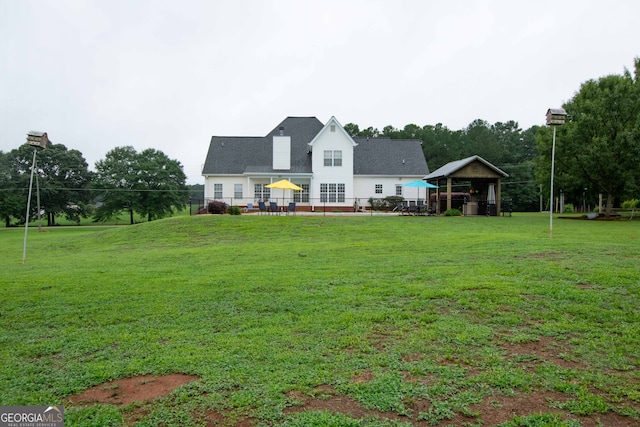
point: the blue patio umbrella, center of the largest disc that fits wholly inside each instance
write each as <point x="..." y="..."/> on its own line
<point x="418" y="183"/>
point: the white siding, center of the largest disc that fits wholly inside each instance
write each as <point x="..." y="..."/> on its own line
<point x="228" y="187"/>
<point x="364" y="187"/>
<point x="248" y="189"/>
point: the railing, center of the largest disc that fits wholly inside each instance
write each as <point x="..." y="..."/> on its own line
<point x="313" y="205"/>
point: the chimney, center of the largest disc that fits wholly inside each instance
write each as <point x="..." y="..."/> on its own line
<point x="281" y="150"/>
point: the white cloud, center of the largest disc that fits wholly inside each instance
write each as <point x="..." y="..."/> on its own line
<point x="169" y="74"/>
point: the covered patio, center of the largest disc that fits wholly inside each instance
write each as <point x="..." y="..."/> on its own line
<point x="474" y="180"/>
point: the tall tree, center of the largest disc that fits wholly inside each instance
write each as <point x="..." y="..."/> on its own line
<point x="480" y="139"/>
<point x="63" y="178"/>
<point x="162" y="184"/>
<point x="509" y="140"/>
<point x="371" y="132"/>
<point x="114" y="184"/>
<point x="411" y="131"/>
<point x="440" y="145"/>
<point x="352" y="129"/>
<point x="12" y="194"/>
<point x="390" y="132"/>
<point x="599" y="146"/>
<point x="148" y="183"/>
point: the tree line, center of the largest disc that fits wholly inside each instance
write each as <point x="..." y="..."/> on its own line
<point x="148" y="183"/>
<point x="505" y="145"/>
<point x="597" y="149"/>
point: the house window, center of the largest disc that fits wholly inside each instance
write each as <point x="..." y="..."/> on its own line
<point x="332" y="193"/>
<point x="328" y="159"/>
<point x="217" y="191"/>
<point x="260" y="192"/>
<point x="378" y="188"/>
<point x="398" y="190"/>
<point x="337" y="158"/>
<point x="333" y="128"/>
<point x="237" y="191"/>
<point x="301" y="196"/>
<point x="333" y="157"/>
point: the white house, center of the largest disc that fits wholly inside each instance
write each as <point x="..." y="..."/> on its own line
<point x="334" y="170"/>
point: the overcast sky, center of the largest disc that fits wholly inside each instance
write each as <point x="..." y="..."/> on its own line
<point x="170" y="74"/>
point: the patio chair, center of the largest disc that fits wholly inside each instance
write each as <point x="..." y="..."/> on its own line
<point x="405" y="207"/>
<point x="421" y="208"/>
<point x="250" y="208"/>
<point x="273" y="207"/>
<point x="291" y="208"/>
<point x="412" y="207"/>
<point x="262" y="207"/>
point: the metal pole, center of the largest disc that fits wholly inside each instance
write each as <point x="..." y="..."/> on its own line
<point x="553" y="156"/>
<point x="38" y="199"/>
<point x="26" y="223"/>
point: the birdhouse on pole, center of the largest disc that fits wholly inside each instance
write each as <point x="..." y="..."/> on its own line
<point x="556" y="116"/>
<point x="37" y="139"/>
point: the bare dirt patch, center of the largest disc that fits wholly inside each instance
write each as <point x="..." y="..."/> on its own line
<point x="125" y="391"/>
<point x="325" y="398"/>
<point x="544" y="349"/>
<point x="550" y="255"/>
<point x="363" y="377"/>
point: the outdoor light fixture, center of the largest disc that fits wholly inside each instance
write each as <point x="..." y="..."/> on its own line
<point x="38" y="140"/>
<point x="555" y="117"/>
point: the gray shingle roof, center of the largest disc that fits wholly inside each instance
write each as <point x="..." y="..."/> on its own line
<point x="386" y="156"/>
<point x="229" y="155"/>
<point x="237" y="155"/>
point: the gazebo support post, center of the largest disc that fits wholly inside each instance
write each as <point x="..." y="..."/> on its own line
<point x="498" y="197"/>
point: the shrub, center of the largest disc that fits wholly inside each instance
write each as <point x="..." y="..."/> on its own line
<point x="630" y="204"/>
<point x="452" y="212"/>
<point x="568" y="208"/>
<point x="386" y="204"/>
<point x="233" y="210"/>
<point x="217" y="207"/>
<point x="376" y="204"/>
<point x="393" y="201"/>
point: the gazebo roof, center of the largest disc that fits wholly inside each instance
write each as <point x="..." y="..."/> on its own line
<point x="452" y="167"/>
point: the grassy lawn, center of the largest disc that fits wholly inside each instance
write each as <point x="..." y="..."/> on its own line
<point x="358" y="321"/>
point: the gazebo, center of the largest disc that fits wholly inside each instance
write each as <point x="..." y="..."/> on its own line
<point x="481" y="182"/>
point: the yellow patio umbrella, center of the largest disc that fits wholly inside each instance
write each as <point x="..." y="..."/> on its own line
<point x="284" y="184"/>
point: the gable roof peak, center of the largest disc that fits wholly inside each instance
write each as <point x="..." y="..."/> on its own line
<point x="333" y="122"/>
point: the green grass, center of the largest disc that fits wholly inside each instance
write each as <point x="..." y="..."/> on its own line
<point x="437" y="314"/>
